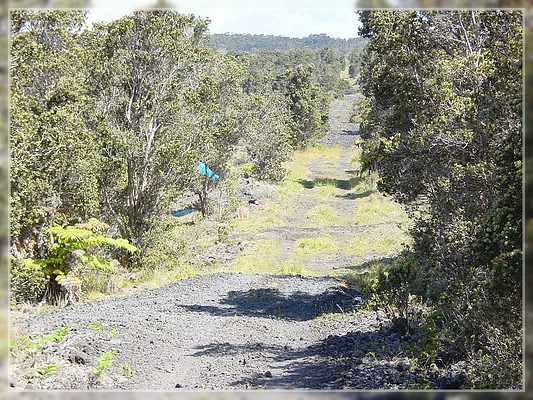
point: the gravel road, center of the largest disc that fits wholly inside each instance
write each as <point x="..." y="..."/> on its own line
<point x="224" y="331"/>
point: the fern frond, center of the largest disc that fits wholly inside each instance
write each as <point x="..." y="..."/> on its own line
<point x="92" y="224"/>
<point x="121" y="243"/>
<point x="117" y="243"/>
<point x="32" y="263"/>
<point x="69" y="233"/>
<point x="98" y="264"/>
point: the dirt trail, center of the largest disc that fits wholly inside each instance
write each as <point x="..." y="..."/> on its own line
<point x="236" y="331"/>
<point x="338" y="171"/>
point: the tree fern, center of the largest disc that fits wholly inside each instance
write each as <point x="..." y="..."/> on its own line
<point x="80" y="243"/>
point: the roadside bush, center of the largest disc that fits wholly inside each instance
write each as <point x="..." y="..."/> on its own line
<point x="400" y="291"/>
<point x="27" y="284"/>
<point x="267" y="136"/>
<point x="357" y="108"/>
<point x="165" y="246"/>
<point x="496" y="366"/>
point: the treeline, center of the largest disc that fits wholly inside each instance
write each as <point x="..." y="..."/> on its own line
<point x="442" y="124"/>
<point x="108" y="124"/>
<point x="267" y="68"/>
<point x="246" y="42"/>
<point x="269" y="56"/>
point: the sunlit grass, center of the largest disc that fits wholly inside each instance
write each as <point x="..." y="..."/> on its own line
<point x="356" y="155"/>
<point x="162" y="275"/>
<point x="324" y="215"/>
<point x="298" y="168"/>
<point x="315" y="245"/>
<point x="291" y="267"/>
<point x="383" y="240"/>
<point x="297" y="171"/>
<point x="258" y="223"/>
<point x="326" y="154"/>
<point x="363" y="278"/>
<point x="365" y="183"/>
<point x="377" y="209"/>
<point x="259" y="259"/>
<point x="326" y="188"/>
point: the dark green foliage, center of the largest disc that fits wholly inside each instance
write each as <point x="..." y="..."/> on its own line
<point x="137" y="66"/>
<point x="308" y="105"/>
<point x="266" y="134"/>
<point x="266" y="69"/>
<point x="54" y="153"/>
<point x="400" y="290"/>
<point x="27" y="283"/>
<point x="354" y="63"/>
<point x="442" y="124"/>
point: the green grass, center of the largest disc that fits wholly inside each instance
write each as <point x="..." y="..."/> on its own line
<point x="255" y="224"/>
<point x="296" y="173"/>
<point x="324" y="215"/>
<point x="298" y="168"/>
<point x="126" y="369"/>
<point x="326" y="188"/>
<point x="103" y="362"/>
<point x="383" y="241"/>
<point x="363" y="277"/>
<point x="56" y="336"/>
<point x="260" y="258"/>
<point x="377" y="209"/>
<point x="44" y="371"/>
<point x="291" y="267"/>
<point x="315" y="245"/>
<point x="95" y="326"/>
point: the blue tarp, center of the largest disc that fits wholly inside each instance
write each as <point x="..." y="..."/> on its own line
<point x="182" y="212"/>
<point x="204" y="170"/>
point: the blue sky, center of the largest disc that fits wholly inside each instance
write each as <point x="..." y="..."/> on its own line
<point x="295" y="18"/>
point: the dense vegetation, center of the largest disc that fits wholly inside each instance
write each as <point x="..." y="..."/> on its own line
<point x="247" y="43"/>
<point x="442" y="123"/>
<point x="109" y="122"/>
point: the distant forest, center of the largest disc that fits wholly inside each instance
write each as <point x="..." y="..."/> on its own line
<point x="246" y="42"/>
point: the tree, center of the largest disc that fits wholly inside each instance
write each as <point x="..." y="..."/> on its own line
<point x="54" y="153"/>
<point x="266" y="134"/>
<point x="308" y="105"/>
<point x="139" y="67"/>
<point x="214" y="105"/>
<point x="443" y="127"/>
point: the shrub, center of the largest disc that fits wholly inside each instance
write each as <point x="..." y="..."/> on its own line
<point x="28" y="283"/>
<point x="400" y="291"/>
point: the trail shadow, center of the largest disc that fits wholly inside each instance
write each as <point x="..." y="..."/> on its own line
<point x="349" y="132"/>
<point x="357" y="360"/>
<point x="344" y="184"/>
<point x="271" y="303"/>
<point x="229" y="349"/>
<point x="355" y="196"/>
<point x="306" y="183"/>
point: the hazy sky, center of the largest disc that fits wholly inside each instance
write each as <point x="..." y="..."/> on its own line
<point x="295" y="18"/>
